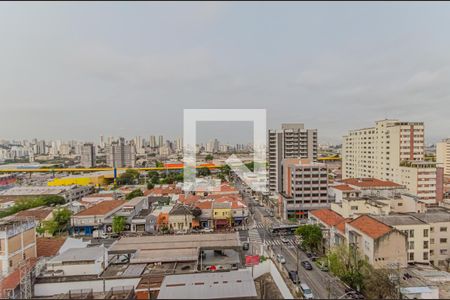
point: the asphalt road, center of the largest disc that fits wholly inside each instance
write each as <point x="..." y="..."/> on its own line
<point x="322" y="284"/>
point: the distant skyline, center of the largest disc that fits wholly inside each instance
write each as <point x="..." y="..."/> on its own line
<point x="75" y="71"/>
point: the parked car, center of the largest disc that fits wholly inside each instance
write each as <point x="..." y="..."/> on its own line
<point x="293" y="276"/>
<point x="309" y="254"/>
<point x="323" y="267"/>
<point x="207" y="230"/>
<point x="307" y="265"/>
<point x="307" y="293"/>
<point x="281" y="259"/>
<point x="246" y="246"/>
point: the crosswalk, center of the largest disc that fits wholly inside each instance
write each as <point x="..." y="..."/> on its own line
<point x="254" y="236"/>
<point x="277" y="242"/>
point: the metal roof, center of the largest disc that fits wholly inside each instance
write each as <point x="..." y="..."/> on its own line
<point x="219" y="285"/>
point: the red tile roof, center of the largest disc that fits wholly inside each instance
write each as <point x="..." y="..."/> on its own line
<point x="370" y="226"/>
<point x="48" y="247"/>
<point x="343" y="187"/>
<point x="37" y="213"/>
<point x="327" y="216"/>
<point x="370" y="182"/>
<point x="12" y="280"/>
<point x="341" y="225"/>
<point x="101" y="208"/>
<point x="170" y="190"/>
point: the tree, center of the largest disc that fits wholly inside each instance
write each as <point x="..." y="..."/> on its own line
<point x="209" y="157"/>
<point x="62" y="217"/>
<point x="134" y="194"/>
<point x="118" y="224"/>
<point x="128" y="177"/>
<point x="50" y="226"/>
<point x="202" y="172"/>
<point x="150" y="185"/>
<point x="311" y="236"/>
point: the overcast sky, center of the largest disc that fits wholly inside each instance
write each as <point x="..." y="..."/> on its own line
<point x="76" y="71"/>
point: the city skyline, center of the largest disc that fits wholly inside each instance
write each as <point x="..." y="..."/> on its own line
<point x="112" y="77"/>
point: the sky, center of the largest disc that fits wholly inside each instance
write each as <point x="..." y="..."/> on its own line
<point x="81" y="70"/>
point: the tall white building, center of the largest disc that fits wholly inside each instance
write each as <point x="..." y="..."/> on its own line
<point x="87" y="155"/>
<point x="160" y="141"/>
<point x="443" y="155"/>
<point x="291" y="141"/>
<point x="213" y="146"/>
<point x="392" y="150"/>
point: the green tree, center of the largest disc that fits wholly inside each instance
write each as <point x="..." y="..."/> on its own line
<point x="209" y="157"/>
<point x="62" y="217"/>
<point x="134" y="194"/>
<point x="118" y="224"/>
<point x="150" y="185"/>
<point x="50" y="226"/>
<point x="311" y="236"/>
<point x="202" y="172"/>
<point x="128" y="177"/>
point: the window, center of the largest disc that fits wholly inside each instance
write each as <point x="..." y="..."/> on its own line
<point x="411" y="245"/>
<point x="354" y="208"/>
<point x="425" y="233"/>
<point x="443" y="241"/>
<point x="425" y="256"/>
<point x="411" y="233"/>
<point x="10" y="264"/>
<point x="431" y="252"/>
<point x="431" y="241"/>
<point x="411" y="256"/>
<point x="425" y="244"/>
<point x="443" y="251"/>
<point x="443" y="229"/>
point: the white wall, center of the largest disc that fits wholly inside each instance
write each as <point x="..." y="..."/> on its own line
<point x="55" y="288"/>
<point x="269" y="267"/>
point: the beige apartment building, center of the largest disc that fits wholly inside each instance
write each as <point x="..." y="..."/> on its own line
<point x="417" y="233"/>
<point x="17" y="243"/>
<point x="382" y="245"/>
<point x="439" y="221"/>
<point x="443" y="155"/>
<point x="391" y="150"/>
<point x="291" y="141"/>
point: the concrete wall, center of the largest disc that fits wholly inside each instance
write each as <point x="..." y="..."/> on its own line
<point x="269" y="267"/>
<point x="55" y="288"/>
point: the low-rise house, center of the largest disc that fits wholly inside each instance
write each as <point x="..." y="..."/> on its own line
<point x="327" y="220"/>
<point x="417" y="233"/>
<point x="221" y="215"/>
<point x="380" y="244"/>
<point x="92" y="219"/>
<point x="70" y="193"/>
<point x="205" y="219"/>
<point x="239" y="211"/>
<point x="131" y="211"/>
<point x="181" y="218"/>
<point x="38" y="214"/>
<point x="161" y="214"/>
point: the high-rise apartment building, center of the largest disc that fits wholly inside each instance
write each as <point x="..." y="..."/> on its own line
<point x="392" y="150"/>
<point x="304" y="187"/>
<point x="152" y="141"/>
<point x="87" y="155"/>
<point x="213" y="146"/>
<point x="443" y="155"/>
<point x="121" y="155"/>
<point x="160" y="141"/>
<point x="291" y="141"/>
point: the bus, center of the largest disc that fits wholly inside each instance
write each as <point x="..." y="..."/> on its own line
<point x="283" y="229"/>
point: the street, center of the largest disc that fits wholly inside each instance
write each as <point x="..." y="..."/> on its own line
<point x="322" y="284"/>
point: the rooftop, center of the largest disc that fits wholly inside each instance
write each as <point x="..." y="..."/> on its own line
<point x="101" y="208"/>
<point x="48" y="247"/>
<point x="79" y="254"/>
<point x="370" y="226"/>
<point x="399" y="219"/>
<point x="327" y="216"/>
<point x="371" y="183"/>
<point x="433" y="215"/>
<point x="37" y="213"/>
<point x="343" y="187"/>
<point x="220" y="285"/>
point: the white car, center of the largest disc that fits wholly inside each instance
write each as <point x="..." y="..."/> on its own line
<point x="207" y="230"/>
<point x="281" y="259"/>
<point x="307" y="293"/>
<point x="284" y="240"/>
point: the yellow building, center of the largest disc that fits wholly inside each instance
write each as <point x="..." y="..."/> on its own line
<point x="222" y="214"/>
<point x="87" y="179"/>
